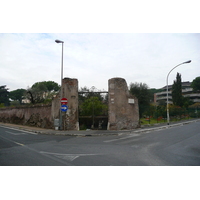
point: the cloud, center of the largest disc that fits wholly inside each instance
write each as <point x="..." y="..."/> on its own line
<point x="95" y="58"/>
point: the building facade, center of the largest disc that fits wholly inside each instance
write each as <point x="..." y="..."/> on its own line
<point x="187" y="91"/>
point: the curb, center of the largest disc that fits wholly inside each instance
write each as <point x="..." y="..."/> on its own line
<point x="52" y="132"/>
<point x="107" y="133"/>
<point x="77" y="134"/>
<point x="164" y="127"/>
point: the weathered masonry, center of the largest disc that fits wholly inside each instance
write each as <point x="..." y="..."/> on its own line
<point x="123" y="112"/>
<point x="70" y="91"/>
<point x="38" y="116"/>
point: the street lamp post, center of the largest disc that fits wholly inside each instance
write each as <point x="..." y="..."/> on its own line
<point x="167" y="88"/>
<point x="61" y="90"/>
<point x="93" y="108"/>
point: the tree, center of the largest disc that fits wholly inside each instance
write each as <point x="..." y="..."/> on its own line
<point x="17" y="95"/>
<point x="91" y="98"/>
<point x="86" y="93"/>
<point x="152" y="91"/>
<point x="4" y="96"/>
<point x="196" y="84"/>
<point x="47" y="86"/>
<point x="93" y="106"/>
<point x="177" y="98"/>
<point x="42" y="91"/>
<point x="92" y="103"/>
<point x="140" y="90"/>
<point x="36" y="95"/>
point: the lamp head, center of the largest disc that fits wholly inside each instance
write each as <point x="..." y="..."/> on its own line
<point x="59" y="41"/>
<point x="189" y="61"/>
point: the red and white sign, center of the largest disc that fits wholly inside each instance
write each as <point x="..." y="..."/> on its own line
<point x="64" y="101"/>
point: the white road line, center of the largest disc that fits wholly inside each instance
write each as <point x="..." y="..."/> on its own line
<point x="14" y="133"/>
<point x="123" y="138"/>
<point x="18" y="130"/>
<point x="12" y="141"/>
<point x="69" y="157"/>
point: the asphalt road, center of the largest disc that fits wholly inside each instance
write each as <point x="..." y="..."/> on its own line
<point x="175" y="146"/>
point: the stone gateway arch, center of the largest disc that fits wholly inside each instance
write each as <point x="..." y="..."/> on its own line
<point x="123" y="111"/>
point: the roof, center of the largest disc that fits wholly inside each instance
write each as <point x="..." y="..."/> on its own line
<point x="186" y="83"/>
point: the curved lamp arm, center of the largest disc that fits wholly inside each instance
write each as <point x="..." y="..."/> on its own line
<point x="189" y="61"/>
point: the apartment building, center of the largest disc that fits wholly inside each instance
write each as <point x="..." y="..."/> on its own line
<point x="187" y="91"/>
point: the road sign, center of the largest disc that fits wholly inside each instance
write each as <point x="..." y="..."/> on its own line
<point x="64" y="101"/>
<point x="64" y="108"/>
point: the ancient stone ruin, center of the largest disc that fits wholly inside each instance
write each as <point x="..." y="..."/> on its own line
<point x="123" y="110"/>
<point x="69" y="118"/>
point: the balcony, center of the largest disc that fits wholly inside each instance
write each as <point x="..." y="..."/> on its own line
<point x="192" y="95"/>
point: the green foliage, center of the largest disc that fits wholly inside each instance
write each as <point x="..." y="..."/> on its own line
<point x="91" y="98"/>
<point x="86" y="93"/>
<point x="14" y="103"/>
<point x="177" y="98"/>
<point x="195" y="105"/>
<point x="187" y="102"/>
<point x="196" y="84"/>
<point x="4" y="95"/>
<point x="161" y="111"/>
<point x="17" y="95"/>
<point x="93" y="106"/>
<point x="157" y="114"/>
<point x="41" y="92"/>
<point x="152" y="91"/>
<point x="175" y="110"/>
<point x="47" y="86"/>
<point x="140" y="90"/>
<point x="2" y="105"/>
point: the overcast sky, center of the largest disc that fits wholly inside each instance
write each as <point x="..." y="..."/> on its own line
<point x="95" y="58"/>
<point x="140" y="41"/>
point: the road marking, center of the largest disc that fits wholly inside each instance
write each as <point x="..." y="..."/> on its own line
<point x="14" y="133"/>
<point x="18" y="143"/>
<point x="68" y="157"/>
<point x="123" y="138"/>
<point x="12" y="141"/>
<point x="19" y="130"/>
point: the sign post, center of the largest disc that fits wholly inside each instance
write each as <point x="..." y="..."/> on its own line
<point x="64" y="106"/>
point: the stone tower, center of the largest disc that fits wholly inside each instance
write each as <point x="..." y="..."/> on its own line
<point x="123" y="111"/>
<point x="69" y="91"/>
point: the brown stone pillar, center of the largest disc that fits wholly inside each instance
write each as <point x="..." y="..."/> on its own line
<point x="69" y="118"/>
<point x="123" y="111"/>
<point x="70" y="91"/>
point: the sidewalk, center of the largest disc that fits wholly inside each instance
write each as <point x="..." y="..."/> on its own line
<point x="164" y="125"/>
<point x="95" y="132"/>
<point x="58" y="132"/>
